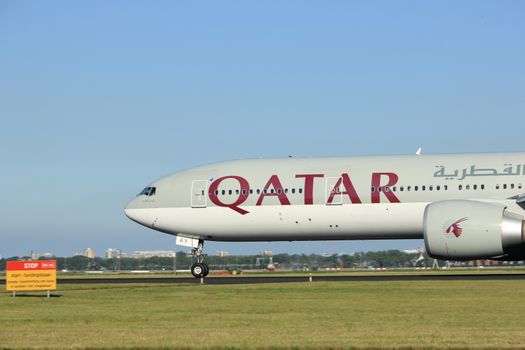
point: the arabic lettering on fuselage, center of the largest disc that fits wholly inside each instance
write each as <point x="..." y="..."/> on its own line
<point x="461" y="174"/>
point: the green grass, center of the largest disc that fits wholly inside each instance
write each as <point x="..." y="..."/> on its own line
<point x="340" y="315"/>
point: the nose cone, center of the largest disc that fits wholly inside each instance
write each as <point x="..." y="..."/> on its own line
<point x="140" y="213"/>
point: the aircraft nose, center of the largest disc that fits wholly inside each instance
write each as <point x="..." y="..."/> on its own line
<point x="140" y="214"/>
<point x="131" y="213"/>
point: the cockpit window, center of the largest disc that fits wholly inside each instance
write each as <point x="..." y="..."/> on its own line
<point x="148" y="191"/>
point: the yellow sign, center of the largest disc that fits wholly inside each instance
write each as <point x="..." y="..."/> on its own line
<point x="31" y="275"/>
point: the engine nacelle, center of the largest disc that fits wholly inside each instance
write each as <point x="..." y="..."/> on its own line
<point x="468" y="230"/>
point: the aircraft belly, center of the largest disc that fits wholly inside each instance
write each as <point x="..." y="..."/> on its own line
<point x="296" y="222"/>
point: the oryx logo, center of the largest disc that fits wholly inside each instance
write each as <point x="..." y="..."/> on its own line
<point x="455" y="228"/>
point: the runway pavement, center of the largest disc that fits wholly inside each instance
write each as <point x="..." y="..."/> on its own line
<point x="285" y="279"/>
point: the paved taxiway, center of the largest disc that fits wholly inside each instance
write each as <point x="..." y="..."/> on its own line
<point x="284" y="279"/>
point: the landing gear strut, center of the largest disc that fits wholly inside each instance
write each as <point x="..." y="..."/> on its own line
<point x="199" y="268"/>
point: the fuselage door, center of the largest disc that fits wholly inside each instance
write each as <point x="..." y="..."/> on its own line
<point x="198" y="193"/>
<point x="334" y="194"/>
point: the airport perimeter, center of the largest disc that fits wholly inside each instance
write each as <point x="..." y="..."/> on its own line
<point x="433" y="314"/>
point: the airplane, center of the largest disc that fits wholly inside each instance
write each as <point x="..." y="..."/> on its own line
<point x="464" y="206"/>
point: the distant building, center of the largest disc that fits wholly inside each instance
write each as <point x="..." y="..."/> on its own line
<point x="89" y="253"/>
<point x="143" y="254"/>
<point x="113" y="253"/>
<point x="266" y="253"/>
<point x="36" y="256"/>
<point x="223" y="253"/>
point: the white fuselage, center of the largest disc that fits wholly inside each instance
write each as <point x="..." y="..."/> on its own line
<point x="323" y="198"/>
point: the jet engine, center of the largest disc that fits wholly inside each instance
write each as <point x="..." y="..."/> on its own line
<point x="468" y="230"/>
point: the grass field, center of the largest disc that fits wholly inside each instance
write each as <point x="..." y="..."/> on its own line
<point x="419" y="315"/>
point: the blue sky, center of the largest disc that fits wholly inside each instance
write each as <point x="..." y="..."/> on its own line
<point x="98" y="98"/>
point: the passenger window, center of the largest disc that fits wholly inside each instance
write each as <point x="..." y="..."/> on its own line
<point x="445" y="187"/>
<point x="293" y="190"/>
<point x="401" y="188"/>
<point x="408" y="188"/>
<point x="244" y="192"/>
<point x="519" y="186"/>
<point x="230" y="192"/>
<point x="460" y="187"/>
<point x="423" y="188"/>
<point x="475" y="187"/>
<point x="223" y="192"/>
<point x="497" y="187"/>
<point x="482" y="187"/>
<point x="438" y="188"/>
<point x="430" y="188"/>
<point x="300" y="190"/>
<point x="394" y="188"/>
<point x="416" y="188"/>
<point x="372" y="189"/>
<point x="258" y="191"/>
<point x="504" y="186"/>
<point x="236" y="191"/>
<point x="467" y="187"/>
<point x="511" y="186"/>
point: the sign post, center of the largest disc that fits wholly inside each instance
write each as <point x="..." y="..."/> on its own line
<point x="31" y="275"/>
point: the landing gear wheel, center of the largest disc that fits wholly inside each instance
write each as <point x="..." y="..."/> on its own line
<point x="206" y="269"/>
<point x="198" y="270"/>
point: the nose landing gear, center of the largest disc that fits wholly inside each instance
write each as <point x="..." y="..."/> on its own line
<point x="200" y="268"/>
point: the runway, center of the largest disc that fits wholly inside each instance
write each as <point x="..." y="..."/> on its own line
<point x="287" y="279"/>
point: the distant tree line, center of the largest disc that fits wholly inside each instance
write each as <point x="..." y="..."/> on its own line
<point x="183" y="261"/>
<point x="297" y="262"/>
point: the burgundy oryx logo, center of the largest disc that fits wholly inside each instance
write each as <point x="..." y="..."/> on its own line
<point x="456" y="228"/>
